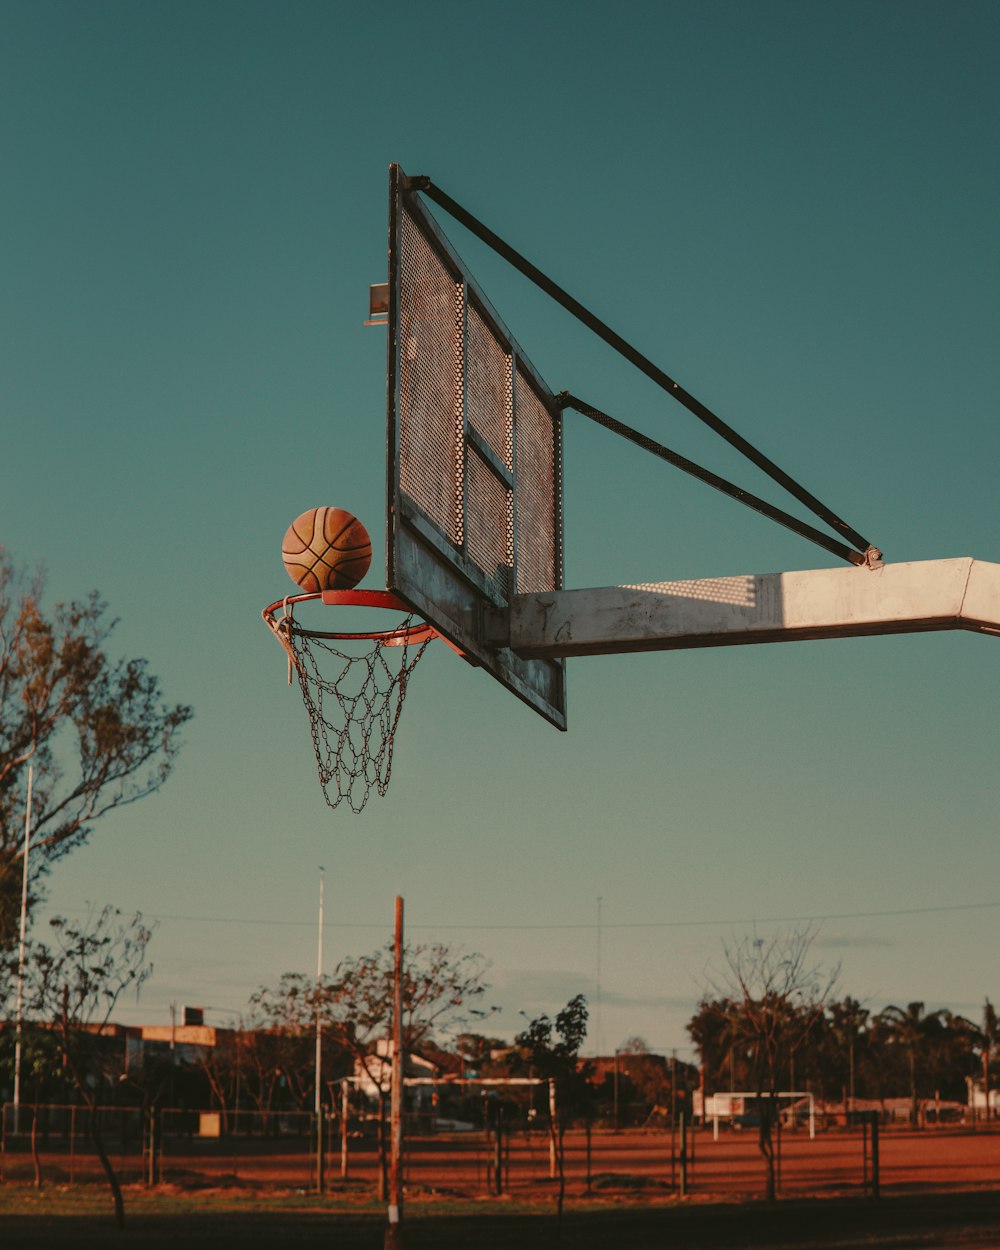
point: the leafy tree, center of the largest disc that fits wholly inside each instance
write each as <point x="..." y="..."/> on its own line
<point x="638" y="1077"/>
<point x="94" y="730"/>
<point x="42" y="1078"/>
<point x="910" y="1029"/>
<point x="551" y="1050"/>
<point x="846" y="1030"/>
<point x="772" y="998"/>
<point x="989" y="1037"/>
<point x="715" y="1031"/>
<point x="476" y="1052"/>
<point x="76" y="985"/>
<point x="954" y="1060"/>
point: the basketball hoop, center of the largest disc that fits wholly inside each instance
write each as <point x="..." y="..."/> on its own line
<point x="368" y="675"/>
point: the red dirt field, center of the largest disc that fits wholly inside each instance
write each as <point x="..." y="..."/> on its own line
<point x="940" y="1191"/>
<point x="938" y="1160"/>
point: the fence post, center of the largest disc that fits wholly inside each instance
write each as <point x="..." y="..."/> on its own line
<point x="875" y="1160"/>
<point x="344" y="1113"/>
<point x="682" y="1126"/>
<point x="498" y="1151"/>
<point x="553" y="1129"/>
<point x="320" y="1154"/>
<point x="151" y="1146"/>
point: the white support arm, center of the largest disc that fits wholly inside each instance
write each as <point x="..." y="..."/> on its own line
<point x="773" y="607"/>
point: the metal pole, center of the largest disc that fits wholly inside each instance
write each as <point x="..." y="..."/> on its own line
<point x="673" y="1086"/>
<point x="597" y="1005"/>
<point x="553" y="1130"/>
<point x="682" y="1125"/>
<point x="394" y="1232"/>
<point x="345" y="1108"/>
<point x="318" y="1106"/>
<point x="20" y="957"/>
<point x="875" y="1161"/>
<point x="498" y="1150"/>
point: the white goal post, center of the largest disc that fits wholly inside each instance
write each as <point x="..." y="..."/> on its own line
<point x="731" y="1103"/>
<point x="922" y="596"/>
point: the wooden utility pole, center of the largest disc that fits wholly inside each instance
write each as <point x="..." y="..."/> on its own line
<point x="318" y="1091"/>
<point x="394" y="1231"/>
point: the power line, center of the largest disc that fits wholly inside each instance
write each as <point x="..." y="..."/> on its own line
<point x="479" y="926"/>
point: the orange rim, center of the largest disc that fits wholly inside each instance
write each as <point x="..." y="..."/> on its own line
<point x="401" y="636"/>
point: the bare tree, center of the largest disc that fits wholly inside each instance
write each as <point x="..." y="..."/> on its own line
<point x="276" y="1044"/>
<point x="76" y="985"/>
<point x="221" y="1067"/>
<point x="94" y="730"/>
<point x="772" y="995"/>
<point x="440" y="990"/>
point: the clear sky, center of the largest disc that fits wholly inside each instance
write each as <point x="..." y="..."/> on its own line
<point x="791" y="207"/>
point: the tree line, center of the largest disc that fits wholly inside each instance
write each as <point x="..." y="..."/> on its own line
<point x="773" y="1022"/>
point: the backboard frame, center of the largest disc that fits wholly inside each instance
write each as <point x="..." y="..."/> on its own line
<point x="433" y="563"/>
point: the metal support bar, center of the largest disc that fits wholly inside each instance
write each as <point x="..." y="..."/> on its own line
<point x="779" y="607"/>
<point x="635" y="357"/>
<point x="717" y="483"/>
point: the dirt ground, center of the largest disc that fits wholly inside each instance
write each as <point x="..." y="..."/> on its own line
<point x="940" y="1222"/>
<point x="832" y="1163"/>
<point x="939" y="1188"/>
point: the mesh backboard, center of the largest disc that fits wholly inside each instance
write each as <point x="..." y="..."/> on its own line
<point x="475" y="457"/>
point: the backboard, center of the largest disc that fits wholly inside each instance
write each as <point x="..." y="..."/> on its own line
<point x="474" y="457"/>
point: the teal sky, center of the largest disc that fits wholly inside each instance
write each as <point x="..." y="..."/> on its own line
<point x="791" y="207"/>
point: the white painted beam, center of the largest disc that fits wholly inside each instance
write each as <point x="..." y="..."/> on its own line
<point x="773" y="607"/>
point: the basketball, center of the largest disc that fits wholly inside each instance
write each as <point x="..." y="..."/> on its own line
<point x="326" y="549"/>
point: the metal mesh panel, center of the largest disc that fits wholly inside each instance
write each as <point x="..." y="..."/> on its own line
<point x="536" y="434"/>
<point x="475" y="456"/>
<point x="488" y="381"/>
<point x="486" y="509"/>
<point x="430" y="382"/>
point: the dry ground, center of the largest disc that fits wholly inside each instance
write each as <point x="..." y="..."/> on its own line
<point x="939" y="1189"/>
<point x="158" y="1222"/>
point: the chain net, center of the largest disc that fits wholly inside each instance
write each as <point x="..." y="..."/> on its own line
<point x="354" y="711"/>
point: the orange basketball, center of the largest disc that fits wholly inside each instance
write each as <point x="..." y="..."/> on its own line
<point x="326" y="549"/>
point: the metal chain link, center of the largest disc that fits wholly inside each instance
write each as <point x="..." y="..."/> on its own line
<point x="354" y="745"/>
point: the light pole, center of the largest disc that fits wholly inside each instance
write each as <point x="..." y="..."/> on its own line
<point x="597" y="1005"/>
<point x="20" y="957"/>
